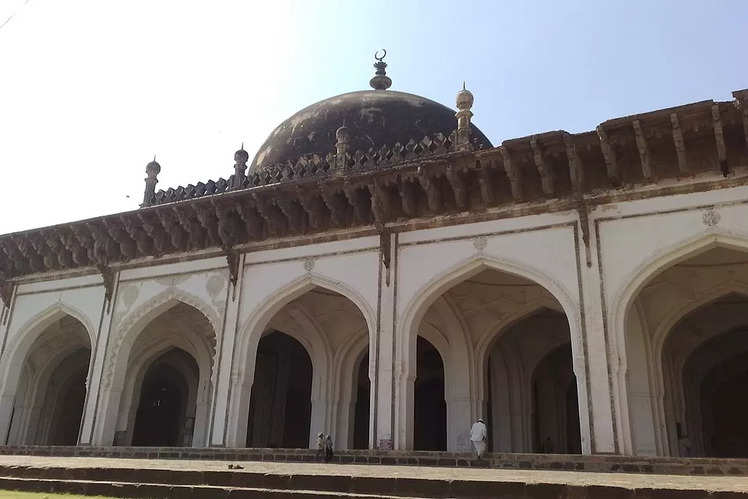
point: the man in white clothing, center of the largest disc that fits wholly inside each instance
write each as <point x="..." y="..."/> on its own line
<point x="478" y="436"/>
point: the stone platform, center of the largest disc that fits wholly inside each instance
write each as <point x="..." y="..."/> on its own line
<point x="202" y="479"/>
<point x="569" y="462"/>
<point x="174" y="472"/>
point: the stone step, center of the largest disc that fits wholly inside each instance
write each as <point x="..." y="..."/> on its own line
<point x="163" y="490"/>
<point x="594" y="463"/>
<point x="118" y="481"/>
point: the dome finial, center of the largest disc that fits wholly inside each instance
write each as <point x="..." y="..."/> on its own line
<point x="380" y="80"/>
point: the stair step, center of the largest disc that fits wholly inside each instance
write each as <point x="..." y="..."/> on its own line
<point x="162" y="490"/>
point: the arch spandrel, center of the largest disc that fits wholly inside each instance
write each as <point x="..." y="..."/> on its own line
<point x="546" y="256"/>
<point x="654" y="265"/>
<point x="261" y="313"/>
<point x="132" y="324"/>
<point x="414" y="310"/>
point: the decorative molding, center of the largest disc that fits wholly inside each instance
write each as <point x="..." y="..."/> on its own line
<point x="309" y="263"/>
<point x="480" y="243"/>
<point x="711" y="217"/>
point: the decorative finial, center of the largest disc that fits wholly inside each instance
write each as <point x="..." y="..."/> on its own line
<point x="380" y="80"/>
<point x="240" y="166"/>
<point x="152" y="170"/>
<point x="342" y="138"/>
<point x="464" y="102"/>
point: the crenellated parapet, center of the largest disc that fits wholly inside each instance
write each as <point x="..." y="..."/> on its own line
<point x="396" y="185"/>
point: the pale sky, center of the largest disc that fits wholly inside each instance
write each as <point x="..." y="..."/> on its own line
<point x="91" y="89"/>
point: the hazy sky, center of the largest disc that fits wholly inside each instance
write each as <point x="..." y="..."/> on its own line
<point x="91" y="89"/>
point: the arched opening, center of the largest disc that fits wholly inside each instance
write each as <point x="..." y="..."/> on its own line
<point x="491" y="330"/>
<point x="166" y="383"/>
<point x="531" y="388"/>
<point x="705" y="357"/>
<point x="308" y="373"/>
<point x="555" y="410"/>
<point x="49" y="401"/>
<point x="163" y="418"/>
<point x="361" y="415"/>
<point x="684" y="332"/>
<point x="280" y="406"/>
<point x="724" y="409"/>
<point x="430" y="418"/>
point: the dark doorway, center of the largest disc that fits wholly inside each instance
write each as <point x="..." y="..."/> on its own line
<point x="726" y="408"/>
<point x="67" y="416"/>
<point x="160" y="416"/>
<point x="555" y="404"/>
<point x="280" y="406"/>
<point x="430" y="417"/>
<point x="361" y="418"/>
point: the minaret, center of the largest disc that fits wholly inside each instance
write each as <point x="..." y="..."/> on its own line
<point x="342" y="138"/>
<point x="152" y="170"/>
<point x="240" y="166"/>
<point x="380" y="80"/>
<point x="464" y="103"/>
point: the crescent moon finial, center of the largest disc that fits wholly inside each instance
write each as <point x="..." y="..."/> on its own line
<point x="384" y="54"/>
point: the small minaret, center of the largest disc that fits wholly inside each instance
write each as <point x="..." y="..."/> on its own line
<point x="380" y="80"/>
<point x="152" y="170"/>
<point x="240" y="166"/>
<point x="342" y="140"/>
<point x="464" y="103"/>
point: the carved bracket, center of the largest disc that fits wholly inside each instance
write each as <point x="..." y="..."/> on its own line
<point x="385" y="243"/>
<point x="6" y="292"/>
<point x="107" y="275"/>
<point x="232" y="259"/>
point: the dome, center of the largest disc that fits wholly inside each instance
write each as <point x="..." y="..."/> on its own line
<point x="373" y="118"/>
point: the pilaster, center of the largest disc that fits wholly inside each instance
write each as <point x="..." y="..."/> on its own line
<point x="89" y="434"/>
<point x="224" y="378"/>
<point x="381" y="365"/>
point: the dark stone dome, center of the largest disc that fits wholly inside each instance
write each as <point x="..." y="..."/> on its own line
<point x="374" y="118"/>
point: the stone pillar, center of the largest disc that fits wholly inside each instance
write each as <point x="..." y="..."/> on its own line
<point x="381" y="359"/>
<point x="92" y="431"/>
<point x="220" y="435"/>
<point x="459" y="422"/>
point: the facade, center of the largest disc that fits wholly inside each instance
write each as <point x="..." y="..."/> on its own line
<point x="382" y="272"/>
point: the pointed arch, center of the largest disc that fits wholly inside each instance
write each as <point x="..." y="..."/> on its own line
<point x="118" y="365"/>
<point x="20" y="347"/>
<point x="249" y="336"/>
<point x="664" y="259"/>
<point x="287" y="293"/>
<point x="624" y="301"/>
<point x="413" y="312"/>
<point x="133" y="323"/>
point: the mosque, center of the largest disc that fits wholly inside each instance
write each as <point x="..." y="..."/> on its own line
<point x="383" y="272"/>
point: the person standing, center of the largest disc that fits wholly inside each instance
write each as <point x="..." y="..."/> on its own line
<point x="478" y="435"/>
<point x="328" y="448"/>
<point x="320" y="445"/>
